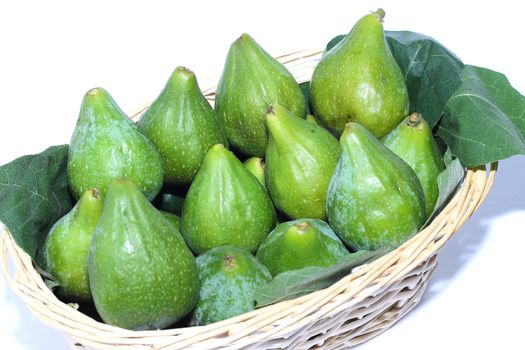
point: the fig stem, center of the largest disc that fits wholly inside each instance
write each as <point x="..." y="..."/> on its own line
<point x="229" y="261"/>
<point x="380" y="14"/>
<point x="92" y="92"/>
<point x="95" y="193"/>
<point x="414" y="120"/>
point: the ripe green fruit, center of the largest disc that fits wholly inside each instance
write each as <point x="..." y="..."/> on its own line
<point x="229" y="277"/>
<point x="359" y="80"/>
<point x="67" y="246"/>
<point x="142" y="274"/>
<point x="225" y="205"/>
<point x="174" y="219"/>
<point x="255" y="165"/>
<point x="300" y="160"/>
<point x="107" y="145"/>
<point x="250" y="82"/>
<point x="296" y="244"/>
<point x="412" y="140"/>
<point x="182" y="125"/>
<point x="374" y="198"/>
<point x="310" y="118"/>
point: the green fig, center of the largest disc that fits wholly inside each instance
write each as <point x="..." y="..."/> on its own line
<point x="106" y="145"/>
<point x="300" y="160"/>
<point x="250" y="82"/>
<point x="182" y="125"/>
<point x="142" y="274"/>
<point x="229" y="277"/>
<point x="310" y="118"/>
<point x="412" y="140"/>
<point x="225" y="205"/>
<point x="301" y="243"/>
<point x="174" y="219"/>
<point x="66" y="247"/>
<point x="359" y="80"/>
<point x="255" y="165"/>
<point x="374" y="199"/>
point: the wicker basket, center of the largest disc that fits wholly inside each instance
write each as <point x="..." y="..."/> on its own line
<point x="353" y="310"/>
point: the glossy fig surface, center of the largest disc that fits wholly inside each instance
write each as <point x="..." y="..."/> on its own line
<point x="66" y="247"/>
<point x="359" y="80"/>
<point x="374" y="199"/>
<point x="142" y="274"/>
<point x="107" y="145"/>
<point x="182" y="125"/>
<point x="226" y="205"/>
<point x="412" y="140"/>
<point x="300" y="243"/>
<point x="300" y="159"/>
<point x="229" y="277"/>
<point x="256" y="165"/>
<point x="250" y="82"/>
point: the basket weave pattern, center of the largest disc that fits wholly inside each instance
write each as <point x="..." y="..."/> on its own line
<point x="353" y="310"/>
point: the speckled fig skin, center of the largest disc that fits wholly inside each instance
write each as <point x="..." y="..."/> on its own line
<point x="66" y="247"/>
<point x="301" y="243"/>
<point x="374" y="199"/>
<point x="182" y="125"/>
<point x="412" y="140"/>
<point x="256" y="165"/>
<point x="310" y="118"/>
<point x="107" y="145"/>
<point x="225" y="205"/>
<point x="229" y="277"/>
<point x="300" y="159"/>
<point x="142" y="274"/>
<point x="174" y="219"/>
<point x="250" y="82"/>
<point x="359" y="80"/>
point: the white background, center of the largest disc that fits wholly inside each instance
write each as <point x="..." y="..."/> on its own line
<point x="52" y="52"/>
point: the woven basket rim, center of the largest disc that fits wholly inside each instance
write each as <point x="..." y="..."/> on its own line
<point x="363" y="282"/>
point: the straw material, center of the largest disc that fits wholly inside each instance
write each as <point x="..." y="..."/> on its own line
<point x="351" y="311"/>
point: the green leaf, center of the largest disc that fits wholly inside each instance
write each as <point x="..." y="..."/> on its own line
<point x="449" y="179"/>
<point x="336" y="40"/>
<point x="169" y="202"/>
<point x="484" y="120"/>
<point x="35" y="195"/>
<point x="448" y="182"/>
<point x="431" y="71"/>
<point x="294" y="283"/>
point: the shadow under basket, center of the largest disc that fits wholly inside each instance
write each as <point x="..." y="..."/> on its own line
<point x="356" y="308"/>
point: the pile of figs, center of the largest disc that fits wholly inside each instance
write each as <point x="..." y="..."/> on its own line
<point x="269" y="182"/>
